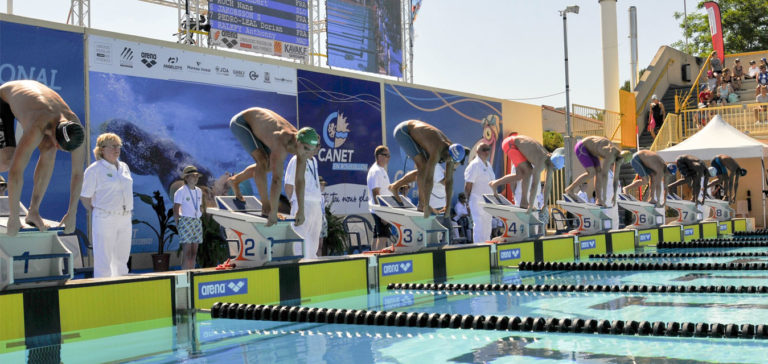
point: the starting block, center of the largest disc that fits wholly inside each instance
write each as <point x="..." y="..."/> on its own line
<point x="519" y="225"/>
<point x="719" y="210"/>
<point x="593" y="219"/>
<point x="646" y="215"/>
<point x="252" y="242"/>
<point x="687" y="212"/>
<point x="415" y="232"/>
<point x="32" y="258"/>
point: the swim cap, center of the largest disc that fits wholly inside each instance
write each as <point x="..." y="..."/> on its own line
<point x="712" y="171"/>
<point x="457" y="152"/>
<point x="742" y="172"/>
<point x="672" y="168"/>
<point x="69" y="135"/>
<point x="558" y="158"/>
<point x="307" y="135"/>
<point x="626" y="156"/>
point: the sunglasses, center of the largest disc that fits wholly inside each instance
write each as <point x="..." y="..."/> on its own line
<point x="485" y="149"/>
<point x="384" y="154"/>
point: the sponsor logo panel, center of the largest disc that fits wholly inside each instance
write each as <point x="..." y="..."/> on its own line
<point x="231" y="287"/>
<point x="394" y="268"/>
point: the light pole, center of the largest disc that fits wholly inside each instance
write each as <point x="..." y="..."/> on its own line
<point x="569" y="134"/>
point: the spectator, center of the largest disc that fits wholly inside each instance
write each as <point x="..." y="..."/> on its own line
<point x="762" y="98"/>
<point x="762" y="78"/>
<point x="187" y="212"/>
<point x="738" y="74"/>
<point x="715" y="64"/>
<point x="437" y="201"/>
<point x="461" y="216"/>
<point x="656" y="116"/>
<point x="723" y="92"/>
<point x="378" y="181"/>
<point x="711" y="80"/>
<point x="705" y="96"/>
<point x="753" y="70"/>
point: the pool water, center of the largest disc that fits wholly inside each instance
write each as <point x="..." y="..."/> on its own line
<point x="199" y="339"/>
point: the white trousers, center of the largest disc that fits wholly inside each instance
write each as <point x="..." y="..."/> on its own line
<point x="311" y="228"/>
<point x="111" y="243"/>
<point x="481" y="220"/>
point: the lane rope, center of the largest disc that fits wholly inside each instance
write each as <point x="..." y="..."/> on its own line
<point x="453" y="287"/>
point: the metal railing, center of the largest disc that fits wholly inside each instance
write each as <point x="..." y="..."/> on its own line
<point x="588" y="121"/>
<point x="694" y="91"/>
<point x="751" y="118"/>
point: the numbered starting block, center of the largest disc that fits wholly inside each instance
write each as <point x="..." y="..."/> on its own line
<point x="717" y="210"/>
<point x="519" y="225"/>
<point x="32" y="258"/>
<point x="251" y="242"/>
<point x="645" y="215"/>
<point x="592" y="219"/>
<point x="687" y="212"/>
<point x="414" y="231"/>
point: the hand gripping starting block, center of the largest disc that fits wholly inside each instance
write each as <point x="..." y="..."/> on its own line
<point x="719" y="210"/>
<point x="32" y="258"/>
<point x="415" y="232"/>
<point x="687" y="212"/>
<point x="519" y="225"/>
<point x="646" y="215"/>
<point x="252" y="242"/>
<point x="593" y="219"/>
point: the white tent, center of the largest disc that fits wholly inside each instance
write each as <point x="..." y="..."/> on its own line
<point x="719" y="137"/>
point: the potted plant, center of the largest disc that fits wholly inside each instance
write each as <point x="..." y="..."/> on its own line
<point x="166" y="231"/>
<point x="335" y="242"/>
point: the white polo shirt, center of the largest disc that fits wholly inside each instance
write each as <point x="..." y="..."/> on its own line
<point x="437" y="200"/>
<point x="108" y="187"/>
<point x="190" y="201"/>
<point x="377" y="177"/>
<point x="311" y="180"/>
<point x="479" y="173"/>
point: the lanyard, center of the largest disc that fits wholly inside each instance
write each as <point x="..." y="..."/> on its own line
<point x="193" y="197"/>
<point x="313" y="171"/>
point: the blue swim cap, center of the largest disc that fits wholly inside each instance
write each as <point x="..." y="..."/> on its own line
<point x="457" y="152"/>
<point x="672" y="169"/>
<point x="712" y="171"/>
<point x="558" y="158"/>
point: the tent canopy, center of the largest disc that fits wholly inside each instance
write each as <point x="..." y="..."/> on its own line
<point x="717" y="137"/>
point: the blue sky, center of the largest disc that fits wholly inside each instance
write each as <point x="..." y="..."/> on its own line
<point x="509" y="49"/>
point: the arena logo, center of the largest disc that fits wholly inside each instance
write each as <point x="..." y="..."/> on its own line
<point x="228" y="38"/>
<point x="230" y="287"/>
<point x="645" y="237"/>
<point x="509" y="254"/>
<point x="394" y="268"/>
<point x="148" y="59"/>
<point x="335" y="133"/>
<point x="723" y="227"/>
<point x="588" y="244"/>
<point x="688" y="232"/>
<point x="126" y="57"/>
<point x="11" y="72"/>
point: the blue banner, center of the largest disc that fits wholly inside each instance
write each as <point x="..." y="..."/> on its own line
<point x="54" y="58"/>
<point x="166" y="125"/>
<point x="464" y="120"/>
<point x="346" y="113"/>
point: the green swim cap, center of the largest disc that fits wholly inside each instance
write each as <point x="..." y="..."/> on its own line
<point x="307" y="135"/>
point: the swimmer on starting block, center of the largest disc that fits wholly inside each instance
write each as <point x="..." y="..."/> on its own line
<point x="694" y="173"/>
<point x="728" y="173"/>
<point x="530" y="158"/>
<point x="427" y="146"/>
<point x="49" y="124"/>
<point x="268" y="137"/>
<point x="590" y="151"/>
<point x="652" y="169"/>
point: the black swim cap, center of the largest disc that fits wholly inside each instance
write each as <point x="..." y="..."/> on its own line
<point x="69" y="135"/>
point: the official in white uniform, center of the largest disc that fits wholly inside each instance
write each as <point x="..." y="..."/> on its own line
<point x="312" y="227"/>
<point x="478" y="174"/>
<point x="378" y="185"/>
<point x="437" y="200"/>
<point x="186" y="210"/>
<point x="108" y="195"/>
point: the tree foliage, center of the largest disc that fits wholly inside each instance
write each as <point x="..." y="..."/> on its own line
<point x="744" y="22"/>
<point x="552" y="140"/>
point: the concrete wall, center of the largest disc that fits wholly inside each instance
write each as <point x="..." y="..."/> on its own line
<point x="673" y="76"/>
<point x="525" y="119"/>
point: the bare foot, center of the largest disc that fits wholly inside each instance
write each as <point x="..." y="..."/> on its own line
<point x="36" y="220"/>
<point x="272" y="219"/>
<point x="235" y="188"/>
<point x="13" y="227"/>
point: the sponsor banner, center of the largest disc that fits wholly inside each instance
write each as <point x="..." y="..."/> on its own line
<point x="230" y="287"/>
<point x="55" y="59"/>
<point x="117" y="56"/>
<point x="723" y="226"/>
<point x="366" y="36"/>
<point x="347" y="114"/>
<point x="277" y="28"/>
<point x="509" y="254"/>
<point x="464" y="120"/>
<point x="394" y="268"/>
<point x="645" y="237"/>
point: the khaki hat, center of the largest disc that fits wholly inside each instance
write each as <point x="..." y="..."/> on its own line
<point x="190" y="170"/>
